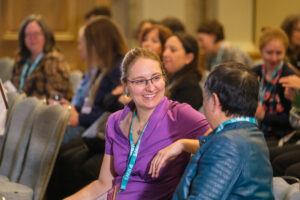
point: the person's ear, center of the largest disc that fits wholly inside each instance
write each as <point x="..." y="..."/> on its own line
<point x="125" y="88"/>
<point x="189" y="58"/>
<point x="216" y="103"/>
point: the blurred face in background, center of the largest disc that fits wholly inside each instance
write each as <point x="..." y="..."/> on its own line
<point x="34" y="38"/>
<point x="206" y="42"/>
<point x="273" y="53"/>
<point x="151" y="41"/>
<point x="295" y="37"/>
<point x="174" y="55"/>
<point x="144" y="26"/>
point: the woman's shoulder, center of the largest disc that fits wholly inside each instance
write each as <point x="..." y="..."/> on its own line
<point x="54" y="54"/>
<point x="257" y="69"/>
<point x="286" y="70"/>
<point x="183" y="111"/>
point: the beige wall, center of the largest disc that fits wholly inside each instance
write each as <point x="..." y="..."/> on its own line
<point x="272" y="12"/>
<point x="188" y="11"/>
<point x="242" y="19"/>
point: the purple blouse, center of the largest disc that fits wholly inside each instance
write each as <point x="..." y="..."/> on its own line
<point x="169" y="122"/>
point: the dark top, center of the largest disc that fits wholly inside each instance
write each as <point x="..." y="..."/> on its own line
<point x="184" y="87"/>
<point x="294" y="57"/>
<point x="278" y="122"/>
<point x="109" y="82"/>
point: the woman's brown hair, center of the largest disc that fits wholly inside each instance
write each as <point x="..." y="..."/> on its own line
<point x="104" y="42"/>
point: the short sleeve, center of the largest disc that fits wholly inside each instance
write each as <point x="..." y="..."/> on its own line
<point x="191" y="122"/>
<point x="108" y="136"/>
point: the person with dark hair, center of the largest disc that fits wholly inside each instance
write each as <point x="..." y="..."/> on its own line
<point x="273" y="109"/>
<point x="98" y="11"/>
<point x="211" y="39"/>
<point x="135" y="134"/>
<point x="174" y="24"/>
<point x="40" y="70"/>
<point x="143" y="25"/>
<point x="233" y="160"/>
<point x="291" y="26"/>
<point x="155" y="37"/>
<point x="180" y="58"/>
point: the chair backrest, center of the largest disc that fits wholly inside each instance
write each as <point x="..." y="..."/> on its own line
<point x="6" y="67"/>
<point x="15" y="139"/>
<point x="48" y="129"/>
<point x="13" y="98"/>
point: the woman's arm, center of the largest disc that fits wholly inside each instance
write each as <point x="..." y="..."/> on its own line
<point x="164" y="156"/>
<point x="100" y="186"/>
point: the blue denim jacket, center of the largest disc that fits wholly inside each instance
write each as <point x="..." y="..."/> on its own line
<point x="233" y="164"/>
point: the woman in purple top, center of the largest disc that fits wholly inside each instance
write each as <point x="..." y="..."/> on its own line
<point x="137" y="133"/>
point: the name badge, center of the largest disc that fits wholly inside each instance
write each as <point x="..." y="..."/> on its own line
<point x="87" y="106"/>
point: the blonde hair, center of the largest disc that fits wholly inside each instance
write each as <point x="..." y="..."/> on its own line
<point x="269" y="34"/>
<point x="133" y="55"/>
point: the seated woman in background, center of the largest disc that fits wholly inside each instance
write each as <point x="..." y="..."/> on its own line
<point x="40" y="70"/>
<point x="211" y="39"/>
<point x="273" y="108"/>
<point x="105" y="50"/>
<point x="180" y="59"/>
<point x="291" y="26"/>
<point x="104" y="47"/>
<point x="135" y="134"/>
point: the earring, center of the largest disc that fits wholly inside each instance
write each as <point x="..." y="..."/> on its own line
<point x="126" y="93"/>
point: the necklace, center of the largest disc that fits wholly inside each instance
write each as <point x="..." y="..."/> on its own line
<point x="139" y="132"/>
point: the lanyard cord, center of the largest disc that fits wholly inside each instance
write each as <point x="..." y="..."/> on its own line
<point x="234" y="120"/>
<point x="30" y="70"/>
<point x="262" y="89"/>
<point x="132" y="156"/>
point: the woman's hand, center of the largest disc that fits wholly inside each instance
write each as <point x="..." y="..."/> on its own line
<point x="74" y="117"/>
<point x="118" y="90"/>
<point x="124" y="99"/>
<point x="260" y="112"/>
<point x="292" y="81"/>
<point x="164" y="156"/>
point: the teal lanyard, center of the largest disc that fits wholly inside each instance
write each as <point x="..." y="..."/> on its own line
<point x="132" y="156"/>
<point x="262" y="89"/>
<point x="219" y="56"/>
<point x="234" y="120"/>
<point x="25" y="68"/>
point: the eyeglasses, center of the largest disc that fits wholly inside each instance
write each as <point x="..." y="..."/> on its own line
<point x="33" y="34"/>
<point x="144" y="82"/>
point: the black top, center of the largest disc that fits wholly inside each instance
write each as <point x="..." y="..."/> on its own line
<point x="184" y="87"/>
<point x="108" y="83"/>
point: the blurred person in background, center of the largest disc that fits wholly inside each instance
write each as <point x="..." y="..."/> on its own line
<point x="273" y="108"/>
<point x="180" y="58"/>
<point x="211" y="39"/>
<point x="40" y="70"/>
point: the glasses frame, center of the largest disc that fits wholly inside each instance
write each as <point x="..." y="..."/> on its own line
<point x="144" y="82"/>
